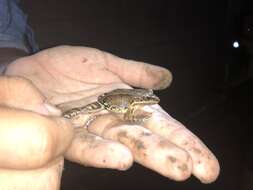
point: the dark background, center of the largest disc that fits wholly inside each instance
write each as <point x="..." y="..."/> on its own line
<point x="210" y="93"/>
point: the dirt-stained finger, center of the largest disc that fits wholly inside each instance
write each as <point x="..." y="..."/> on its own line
<point x="139" y="74"/>
<point x="205" y="165"/>
<point x="150" y="150"/>
<point x="91" y="150"/>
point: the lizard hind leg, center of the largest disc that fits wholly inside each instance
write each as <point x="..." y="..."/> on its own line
<point x="136" y="114"/>
<point x="129" y="115"/>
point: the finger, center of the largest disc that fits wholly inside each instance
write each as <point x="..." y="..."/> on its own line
<point x="90" y="150"/>
<point x="29" y="140"/>
<point x="150" y="150"/>
<point x="48" y="177"/>
<point x="205" y="164"/>
<point x="21" y="93"/>
<point x="139" y="74"/>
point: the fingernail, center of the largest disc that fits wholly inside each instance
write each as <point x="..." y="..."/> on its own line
<point x="165" y="80"/>
<point x="163" y="77"/>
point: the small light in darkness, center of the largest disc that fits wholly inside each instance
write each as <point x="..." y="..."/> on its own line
<point x="236" y="44"/>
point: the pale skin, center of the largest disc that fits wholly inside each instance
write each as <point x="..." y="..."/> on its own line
<point x="34" y="139"/>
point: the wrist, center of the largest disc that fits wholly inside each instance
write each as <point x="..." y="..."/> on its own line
<point x="7" y="55"/>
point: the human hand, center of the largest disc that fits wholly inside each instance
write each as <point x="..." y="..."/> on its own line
<point x="67" y="73"/>
<point x="33" y="138"/>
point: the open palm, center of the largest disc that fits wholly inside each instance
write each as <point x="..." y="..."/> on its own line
<point x="68" y="73"/>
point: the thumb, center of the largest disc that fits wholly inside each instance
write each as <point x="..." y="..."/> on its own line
<point x="39" y="139"/>
<point x="29" y="140"/>
<point x="139" y="74"/>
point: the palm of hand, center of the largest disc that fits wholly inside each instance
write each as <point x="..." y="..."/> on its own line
<point x="67" y="73"/>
